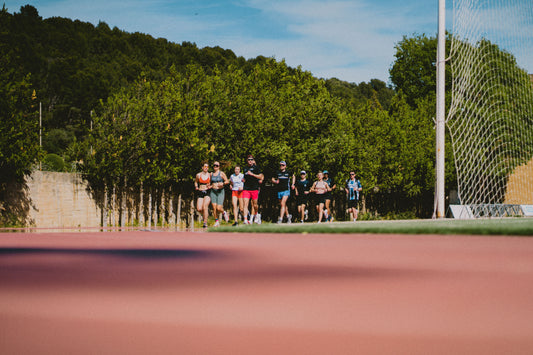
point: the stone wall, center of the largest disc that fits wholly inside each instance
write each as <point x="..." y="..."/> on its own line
<point x="61" y="200"/>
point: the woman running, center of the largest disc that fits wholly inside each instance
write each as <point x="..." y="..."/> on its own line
<point x="202" y="185"/>
<point x="237" y="183"/>
<point x="218" y="180"/>
<point x="320" y="187"/>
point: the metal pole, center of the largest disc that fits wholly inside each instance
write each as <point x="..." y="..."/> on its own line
<point x="440" y="128"/>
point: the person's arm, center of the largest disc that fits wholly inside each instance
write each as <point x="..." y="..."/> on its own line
<point x="225" y="177"/>
<point x="293" y="182"/>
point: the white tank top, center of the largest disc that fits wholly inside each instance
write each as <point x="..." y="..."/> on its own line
<point x="237" y="182"/>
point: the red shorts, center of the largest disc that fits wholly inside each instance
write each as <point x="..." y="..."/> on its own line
<point x="250" y="194"/>
<point x="236" y="193"/>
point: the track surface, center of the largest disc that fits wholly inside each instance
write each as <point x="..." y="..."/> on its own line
<point x="214" y="293"/>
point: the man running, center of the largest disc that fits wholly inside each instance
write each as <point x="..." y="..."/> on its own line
<point x="284" y="180"/>
<point x="352" y="188"/>
<point x="301" y="190"/>
<point x="252" y="177"/>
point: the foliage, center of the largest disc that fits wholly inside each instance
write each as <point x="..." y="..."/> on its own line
<point x="53" y="162"/>
<point x="19" y="121"/>
<point x="74" y="64"/>
<point x="159" y="132"/>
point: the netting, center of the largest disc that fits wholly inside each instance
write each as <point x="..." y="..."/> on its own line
<point x="491" y="112"/>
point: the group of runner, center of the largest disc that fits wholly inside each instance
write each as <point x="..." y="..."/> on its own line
<point x="245" y="187"/>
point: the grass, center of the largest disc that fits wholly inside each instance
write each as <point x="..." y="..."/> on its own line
<point x="501" y="226"/>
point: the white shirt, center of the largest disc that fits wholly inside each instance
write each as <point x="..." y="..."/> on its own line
<point x="237" y="182"/>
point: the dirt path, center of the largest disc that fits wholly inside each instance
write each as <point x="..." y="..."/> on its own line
<point x="198" y="293"/>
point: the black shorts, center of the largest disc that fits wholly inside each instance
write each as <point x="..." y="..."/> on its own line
<point x="320" y="198"/>
<point x="202" y="194"/>
<point x="353" y="204"/>
<point x="302" y="200"/>
<point x="328" y="196"/>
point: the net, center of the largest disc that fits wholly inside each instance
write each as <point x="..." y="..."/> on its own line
<point x="490" y="118"/>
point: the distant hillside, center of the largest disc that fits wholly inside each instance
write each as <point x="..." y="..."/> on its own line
<point x="74" y="65"/>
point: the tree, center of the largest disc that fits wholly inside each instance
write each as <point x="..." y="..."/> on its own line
<point x="19" y="137"/>
<point x="413" y="71"/>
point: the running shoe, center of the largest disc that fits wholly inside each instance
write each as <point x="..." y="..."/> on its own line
<point x="205" y="225"/>
<point x="235" y="224"/>
<point x="306" y="214"/>
<point x="258" y="218"/>
<point x="226" y="216"/>
<point x="289" y="219"/>
<point x="280" y="220"/>
<point x="217" y="223"/>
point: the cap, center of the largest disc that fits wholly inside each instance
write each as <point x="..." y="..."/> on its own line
<point x="325" y="172"/>
<point x="303" y="172"/>
<point x="282" y="162"/>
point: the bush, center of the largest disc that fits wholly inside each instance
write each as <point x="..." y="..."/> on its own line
<point x="57" y="140"/>
<point x="53" y="162"/>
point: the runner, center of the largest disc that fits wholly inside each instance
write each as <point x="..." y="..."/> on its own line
<point x="252" y="178"/>
<point x="284" y="180"/>
<point x="202" y="185"/>
<point x="217" y="194"/>
<point x="320" y="187"/>
<point x="353" y="187"/>
<point x="329" y="196"/>
<point x="237" y="183"/>
<point x="302" y="195"/>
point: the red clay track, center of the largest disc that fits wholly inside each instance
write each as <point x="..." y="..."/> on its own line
<point x="198" y="293"/>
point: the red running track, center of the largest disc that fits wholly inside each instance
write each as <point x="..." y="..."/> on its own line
<point x="215" y="293"/>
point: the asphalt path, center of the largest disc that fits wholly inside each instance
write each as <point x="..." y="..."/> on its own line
<point x="225" y="293"/>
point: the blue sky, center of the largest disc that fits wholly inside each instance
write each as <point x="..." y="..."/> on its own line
<point x="352" y="40"/>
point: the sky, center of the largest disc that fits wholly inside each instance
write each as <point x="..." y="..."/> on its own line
<point x="352" y="40"/>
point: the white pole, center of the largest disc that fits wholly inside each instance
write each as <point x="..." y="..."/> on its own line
<point x="91" y="130"/>
<point x="40" y="133"/>
<point x="440" y="129"/>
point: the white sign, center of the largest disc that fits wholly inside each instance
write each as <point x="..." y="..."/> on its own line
<point x="461" y="212"/>
<point x="527" y="210"/>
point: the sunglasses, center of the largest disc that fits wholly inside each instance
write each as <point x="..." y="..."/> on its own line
<point x="216" y="165"/>
<point x="352" y="174"/>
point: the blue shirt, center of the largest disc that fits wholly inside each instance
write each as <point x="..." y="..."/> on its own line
<point x="353" y="187"/>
